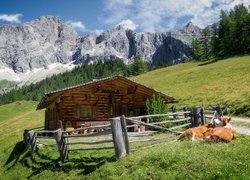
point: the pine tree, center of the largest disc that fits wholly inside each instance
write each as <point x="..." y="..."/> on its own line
<point x="197" y="50"/>
<point x="138" y="66"/>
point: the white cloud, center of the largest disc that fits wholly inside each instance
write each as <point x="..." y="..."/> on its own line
<point x="78" y="25"/>
<point x="12" y="18"/>
<point x="161" y="15"/>
<point x="128" y="24"/>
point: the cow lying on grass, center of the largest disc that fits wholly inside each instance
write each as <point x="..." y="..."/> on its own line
<point x="210" y="132"/>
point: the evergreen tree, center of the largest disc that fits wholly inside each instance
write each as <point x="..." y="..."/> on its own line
<point x="138" y="66"/>
<point x="197" y="50"/>
<point x="206" y="44"/>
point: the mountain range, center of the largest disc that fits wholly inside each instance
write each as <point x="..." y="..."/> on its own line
<point x="32" y="51"/>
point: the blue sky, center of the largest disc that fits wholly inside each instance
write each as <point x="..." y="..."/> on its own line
<point x="140" y="15"/>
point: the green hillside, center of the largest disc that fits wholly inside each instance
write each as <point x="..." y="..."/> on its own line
<point x="14" y="118"/>
<point x="226" y="82"/>
<point x="171" y="160"/>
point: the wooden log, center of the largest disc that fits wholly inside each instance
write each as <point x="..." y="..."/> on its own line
<point x="208" y="111"/>
<point x="45" y="137"/>
<point x="34" y="141"/>
<point x="90" y="143"/>
<point x="183" y="125"/>
<point x="48" y="131"/>
<point x="61" y="145"/>
<point x="61" y="124"/>
<point x="118" y="139"/>
<point x="87" y="128"/>
<point x="218" y="110"/>
<point x="26" y="137"/>
<point x="149" y="139"/>
<point x="159" y="115"/>
<point x="125" y="133"/>
<point x="31" y="138"/>
<point x="151" y="125"/>
<point x="87" y="135"/>
<point x="45" y="144"/>
<point x="94" y="148"/>
<point x="171" y="121"/>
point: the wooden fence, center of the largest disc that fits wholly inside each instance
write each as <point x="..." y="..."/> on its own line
<point x="117" y="131"/>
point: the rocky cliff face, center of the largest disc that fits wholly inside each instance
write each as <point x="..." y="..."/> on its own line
<point x="36" y="44"/>
<point x="166" y="47"/>
<point x="48" y="40"/>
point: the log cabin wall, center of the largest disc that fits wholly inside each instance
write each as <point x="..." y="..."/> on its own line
<point x="96" y="101"/>
<point x="51" y="116"/>
<point x="103" y="105"/>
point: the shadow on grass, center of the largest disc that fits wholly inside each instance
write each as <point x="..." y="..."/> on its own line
<point x="86" y="165"/>
<point x="208" y="62"/>
<point x="40" y="161"/>
<point x="214" y="60"/>
<point x="17" y="151"/>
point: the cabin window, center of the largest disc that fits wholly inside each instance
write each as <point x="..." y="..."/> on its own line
<point x="85" y="111"/>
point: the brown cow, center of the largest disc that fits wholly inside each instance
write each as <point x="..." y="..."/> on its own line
<point x="196" y="133"/>
<point x="220" y="134"/>
<point x="210" y="132"/>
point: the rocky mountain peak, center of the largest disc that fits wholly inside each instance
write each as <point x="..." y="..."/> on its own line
<point x="36" y="44"/>
<point x="48" y="41"/>
<point x="190" y="28"/>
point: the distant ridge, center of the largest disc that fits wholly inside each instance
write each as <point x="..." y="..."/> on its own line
<point x="31" y="51"/>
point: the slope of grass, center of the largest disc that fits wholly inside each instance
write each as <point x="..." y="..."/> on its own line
<point x="171" y="160"/>
<point x="192" y="83"/>
<point x="14" y="118"/>
<point x="225" y="82"/>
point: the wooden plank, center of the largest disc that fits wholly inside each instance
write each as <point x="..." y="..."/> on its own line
<point x="206" y="116"/>
<point x="159" y="115"/>
<point x="183" y="125"/>
<point x="45" y="144"/>
<point x="118" y="139"/>
<point x="88" y="135"/>
<point x="149" y="139"/>
<point x="171" y="121"/>
<point x="90" y="143"/>
<point x="208" y="111"/>
<point x="86" y="128"/>
<point x="125" y="133"/>
<point x="151" y="125"/>
<point x="97" y="148"/>
<point x="45" y="137"/>
<point x="46" y="131"/>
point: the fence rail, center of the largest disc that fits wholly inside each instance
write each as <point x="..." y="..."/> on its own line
<point x="117" y="129"/>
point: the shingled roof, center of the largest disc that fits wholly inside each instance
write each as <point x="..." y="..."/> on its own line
<point x="45" y="101"/>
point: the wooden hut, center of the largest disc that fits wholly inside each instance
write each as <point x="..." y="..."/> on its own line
<point x="96" y="101"/>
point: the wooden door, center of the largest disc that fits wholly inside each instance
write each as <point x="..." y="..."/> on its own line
<point x="119" y="109"/>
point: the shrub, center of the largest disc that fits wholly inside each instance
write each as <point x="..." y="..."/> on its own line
<point x="156" y="105"/>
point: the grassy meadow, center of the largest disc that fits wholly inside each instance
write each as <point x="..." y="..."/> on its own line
<point x="171" y="160"/>
<point x="224" y="82"/>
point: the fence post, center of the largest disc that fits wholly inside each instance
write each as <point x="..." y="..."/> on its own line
<point x="60" y="144"/>
<point x="125" y="133"/>
<point x="32" y="137"/>
<point x="191" y="115"/>
<point x="26" y="137"/>
<point x="118" y="139"/>
<point x="218" y="110"/>
<point x="173" y="110"/>
<point x="202" y="115"/>
<point x="198" y="116"/>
